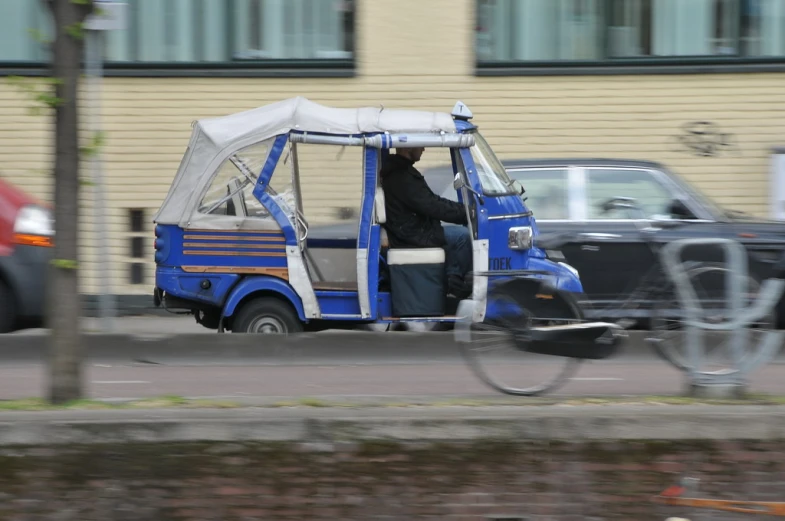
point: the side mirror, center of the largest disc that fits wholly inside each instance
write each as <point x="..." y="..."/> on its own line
<point x="458" y="183"/>
<point x="679" y="210"/>
<point x="518" y="187"/>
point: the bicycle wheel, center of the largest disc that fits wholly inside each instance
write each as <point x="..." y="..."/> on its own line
<point x="668" y="334"/>
<point x="493" y="348"/>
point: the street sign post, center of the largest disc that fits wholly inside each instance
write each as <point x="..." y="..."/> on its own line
<point x="108" y="16"/>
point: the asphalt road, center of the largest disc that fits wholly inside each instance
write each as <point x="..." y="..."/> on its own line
<point x="357" y="380"/>
<point x="355" y="376"/>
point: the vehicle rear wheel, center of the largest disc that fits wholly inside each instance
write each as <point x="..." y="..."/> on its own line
<point x="7" y="308"/>
<point x="267" y="315"/>
<point x="494" y="353"/>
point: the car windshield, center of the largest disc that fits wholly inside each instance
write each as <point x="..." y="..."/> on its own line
<point x="493" y="176"/>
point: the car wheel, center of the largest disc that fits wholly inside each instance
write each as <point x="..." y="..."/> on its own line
<point x="7" y="308"/>
<point x="267" y="315"/>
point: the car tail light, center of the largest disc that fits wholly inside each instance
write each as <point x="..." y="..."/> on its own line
<point x="34" y="226"/>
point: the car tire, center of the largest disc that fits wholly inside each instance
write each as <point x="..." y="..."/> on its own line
<point x="7" y="308"/>
<point x="267" y="315"/>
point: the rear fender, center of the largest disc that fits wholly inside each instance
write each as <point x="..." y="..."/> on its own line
<point x="266" y="284"/>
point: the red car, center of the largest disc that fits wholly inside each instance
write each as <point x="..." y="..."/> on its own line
<point x="26" y="240"/>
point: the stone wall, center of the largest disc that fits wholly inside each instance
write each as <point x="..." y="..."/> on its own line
<point x="464" y="480"/>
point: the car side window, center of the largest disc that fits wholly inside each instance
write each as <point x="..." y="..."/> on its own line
<point x="604" y="183"/>
<point x="546" y="191"/>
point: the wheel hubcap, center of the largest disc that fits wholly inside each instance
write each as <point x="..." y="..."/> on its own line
<point x="270" y="325"/>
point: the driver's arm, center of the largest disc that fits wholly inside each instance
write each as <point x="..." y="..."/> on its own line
<point x="422" y="200"/>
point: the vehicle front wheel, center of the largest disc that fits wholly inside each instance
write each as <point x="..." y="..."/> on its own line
<point x="267" y="315"/>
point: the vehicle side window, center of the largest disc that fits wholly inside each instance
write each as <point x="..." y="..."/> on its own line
<point x="546" y="191"/>
<point x="604" y="183"/>
<point x="231" y="190"/>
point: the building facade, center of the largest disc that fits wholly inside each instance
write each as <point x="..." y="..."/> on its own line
<point x="698" y="85"/>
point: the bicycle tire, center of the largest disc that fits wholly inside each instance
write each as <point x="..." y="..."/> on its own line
<point x="471" y="349"/>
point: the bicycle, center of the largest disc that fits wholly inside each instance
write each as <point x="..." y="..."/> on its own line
<point x="533" y="309"/>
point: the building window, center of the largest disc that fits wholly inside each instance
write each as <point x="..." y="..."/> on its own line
<point x="137" y="238"/>
<point x="199" y="34"/>
<point x="581" y="32"/>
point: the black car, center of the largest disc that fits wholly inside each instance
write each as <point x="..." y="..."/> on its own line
<point x="609" y="252"/>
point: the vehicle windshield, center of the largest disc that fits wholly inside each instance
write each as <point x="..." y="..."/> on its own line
<point x="493" y="176"/>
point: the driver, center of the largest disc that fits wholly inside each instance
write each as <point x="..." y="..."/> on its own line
<point x="414" y="213"/>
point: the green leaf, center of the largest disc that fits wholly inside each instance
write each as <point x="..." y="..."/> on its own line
<point x="39" y="36"/>
<point x="64" y="264"/>
<point x="95" y="145"/>
<point x="75" y="30"/>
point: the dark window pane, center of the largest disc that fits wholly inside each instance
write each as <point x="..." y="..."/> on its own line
<point x="629" y="28"/>
<point x="197" y="31"/>
<point x="574" y="30"/>
<point x="137" y="273"/>
<point x="137" y="247"/>
<point x="137" y="221"/>
<point x="292" y="29"/>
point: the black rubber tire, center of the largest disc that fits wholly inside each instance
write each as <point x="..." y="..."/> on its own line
<point x="270" y="313"/>
<point x="7" y="308"/>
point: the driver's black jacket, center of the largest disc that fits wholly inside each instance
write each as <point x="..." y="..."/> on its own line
<point x="414" y="212"/>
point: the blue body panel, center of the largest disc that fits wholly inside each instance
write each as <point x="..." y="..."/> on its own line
<point x="229" y="263"/>
<point x="215" y="248"/>
<point x="263" y="283"/>
<point x="338" y="304"/>
<point x="188" y="285"/>
<point x="510" y="211"/>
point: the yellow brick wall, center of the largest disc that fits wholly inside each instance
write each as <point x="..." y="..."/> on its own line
<point x="414" y="54"/>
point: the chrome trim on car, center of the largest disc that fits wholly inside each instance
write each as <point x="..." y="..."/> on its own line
<point x="510" y="216"/>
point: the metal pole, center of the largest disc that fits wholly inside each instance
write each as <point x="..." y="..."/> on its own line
<point x="94" y="71"/>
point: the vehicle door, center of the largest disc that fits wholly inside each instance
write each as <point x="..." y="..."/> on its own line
<point x="612" y="257"/>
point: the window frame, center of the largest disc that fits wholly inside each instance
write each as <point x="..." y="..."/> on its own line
<point x="658" y="176"/>
<point x="578" y="195"/>
<point x="253" y="68"/>
<point x="679" y="64"/>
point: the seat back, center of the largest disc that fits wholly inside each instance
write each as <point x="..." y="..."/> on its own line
<point x="381" y="216"/>
<point x="378" y="205"/>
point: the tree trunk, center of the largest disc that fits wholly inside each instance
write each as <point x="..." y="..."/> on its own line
<point x="64" y="307"/>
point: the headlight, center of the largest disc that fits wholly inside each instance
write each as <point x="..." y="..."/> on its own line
<point x="34" y="226"/>
<point x="520" y="238"/>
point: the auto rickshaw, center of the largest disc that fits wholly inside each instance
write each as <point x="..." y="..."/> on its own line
<point x="242" y="264"/>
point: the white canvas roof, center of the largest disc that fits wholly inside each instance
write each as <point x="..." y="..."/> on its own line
<point x="213" y="140"/>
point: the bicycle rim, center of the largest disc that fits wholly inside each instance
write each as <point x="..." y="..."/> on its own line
<point x="493" y="355"/>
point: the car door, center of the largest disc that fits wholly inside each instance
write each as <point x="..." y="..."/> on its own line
<point x="612" y="257"/>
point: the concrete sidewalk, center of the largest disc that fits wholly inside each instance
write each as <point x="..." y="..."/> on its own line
<point x="336" y="425"/>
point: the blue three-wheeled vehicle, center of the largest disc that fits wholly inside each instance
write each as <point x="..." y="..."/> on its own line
<point x="234" y="252"/>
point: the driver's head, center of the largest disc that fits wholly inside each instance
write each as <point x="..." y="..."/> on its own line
<point x="412" y="154"/>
